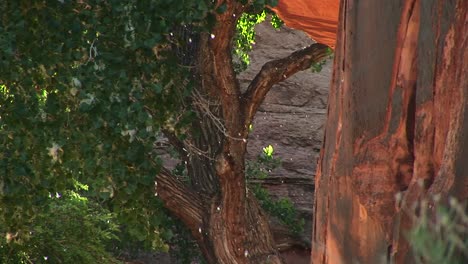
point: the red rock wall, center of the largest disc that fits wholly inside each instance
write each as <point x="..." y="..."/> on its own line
<point x="397" y="124"/>
<point x="318" y="18"/>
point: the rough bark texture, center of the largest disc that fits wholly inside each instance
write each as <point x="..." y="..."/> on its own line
<point x="291" y="118"/>
<point x="222" y="215"/>
<point x="398" y="117"/>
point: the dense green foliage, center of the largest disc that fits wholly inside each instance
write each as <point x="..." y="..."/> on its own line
<point x="245" y="36"/>
<point x="84" y="89"/>
<point x="68" y="229"/>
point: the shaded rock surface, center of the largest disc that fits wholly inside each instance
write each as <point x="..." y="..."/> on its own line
<point x="291" y="119"/>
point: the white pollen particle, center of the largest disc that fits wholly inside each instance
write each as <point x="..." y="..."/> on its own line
<point x="218" y="208"/>
<point x="73" y="91"/>
<point x="246" y="253"/>
<point x="398" y="197"/>
<point x="199" y="230"/>
<point x="54" y="152"/>
<point x="131" y="133"/>
<point x="212" y="36"/>
<point x="76" y="83"/>
<point x="453" y="202"/>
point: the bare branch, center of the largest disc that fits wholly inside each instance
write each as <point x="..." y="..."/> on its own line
<point x="276" y="71"/>
<point x="204" y="107"/>
<point x="174" y="141"/>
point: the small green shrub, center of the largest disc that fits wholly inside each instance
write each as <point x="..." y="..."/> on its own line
<point x="70" y="229"/>
<point x="281" y="208"/>
<point x="440" y="236"/>
<point x="318" y="66"/>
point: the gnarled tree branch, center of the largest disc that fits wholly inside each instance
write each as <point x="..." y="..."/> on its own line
<point x="276" y="71"/>
<point x="185" y="204"/>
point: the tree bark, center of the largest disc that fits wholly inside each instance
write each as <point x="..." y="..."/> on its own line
<point x="397" y="122"/>
<point x="222" y="214"/>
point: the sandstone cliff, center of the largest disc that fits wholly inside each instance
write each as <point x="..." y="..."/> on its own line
<point x="290" y="119"/>
<point x="318" y="18"/>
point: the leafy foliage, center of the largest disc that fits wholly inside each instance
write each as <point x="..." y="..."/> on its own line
<point x="442" y="236"/>
<point x="86" y="100"/>
<point x="317" y="67"/>
<point x="245" y="31"/>
<point x="245" y="37"/>
<point x="276" y="22"/>
<point x="85" y="89"/>
<point x="281" y="208"/>
<point x="69" y="229"/>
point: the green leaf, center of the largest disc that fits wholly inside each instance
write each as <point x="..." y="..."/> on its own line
<point x="268" y="151"/>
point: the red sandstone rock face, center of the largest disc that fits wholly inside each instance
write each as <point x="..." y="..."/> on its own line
<point x="318" y="18"/>
<point x="397" y="125"/>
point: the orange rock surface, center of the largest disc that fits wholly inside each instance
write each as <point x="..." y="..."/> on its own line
<point x="318" y="18"/>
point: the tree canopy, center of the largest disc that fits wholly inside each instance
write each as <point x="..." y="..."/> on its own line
<point x="88" y="87"/>
<point x="85" y="88"/>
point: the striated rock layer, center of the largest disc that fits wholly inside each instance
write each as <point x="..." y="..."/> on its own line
<point x="291" y="119"/>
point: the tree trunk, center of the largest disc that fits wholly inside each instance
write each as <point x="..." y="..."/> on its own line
<point x="222" y="215"/>
<point x="397" y="123"/>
